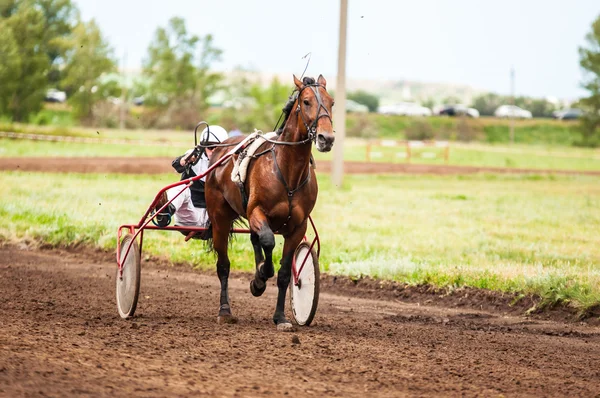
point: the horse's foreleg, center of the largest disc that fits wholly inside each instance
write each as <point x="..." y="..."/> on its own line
<point x="262" y="240"/>
<point x="258" y="251"/>
<point x="284" y="276"/>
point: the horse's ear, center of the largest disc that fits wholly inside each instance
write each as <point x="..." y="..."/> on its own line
<point x="321" y="80"/>
<point x="298" y="83"/>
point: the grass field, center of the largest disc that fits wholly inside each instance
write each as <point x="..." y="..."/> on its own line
<point x="171" y="144"/>
<point x="528" y="234"/>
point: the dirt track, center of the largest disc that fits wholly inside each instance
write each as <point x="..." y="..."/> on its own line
<point x="141" y="165"/>
<point x="60" y="335"/>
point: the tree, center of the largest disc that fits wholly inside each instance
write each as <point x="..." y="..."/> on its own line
<point x="429" y="103"/>
<point x="39" y="29"/>
<point x="25" y="94"/>
<point x="487" y="104"/>
<point x="60" y="17"/>
<point x="539" y="107"/>
<point x="10" y="68"/>
<point x="89" y="57"/>
<point x="8" y="8"/>
<point x="590" y="62"/>
<point x="254" y="106"/>
<point x="451" y="100"/>
<point x="178" y="72"/>
<point x="208" y="82"/>
<point x="365" y="98"/>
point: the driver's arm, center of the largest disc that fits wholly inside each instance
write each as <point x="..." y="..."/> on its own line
<point x="179" y="162"/>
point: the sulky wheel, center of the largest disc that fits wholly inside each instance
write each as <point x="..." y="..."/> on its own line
<point x="128" y="284"/>
<point x="304" y="295"/>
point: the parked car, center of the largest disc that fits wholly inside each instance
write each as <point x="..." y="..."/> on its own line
<point x="353" y="106"/>
<point x="458" y="110"/>
<point x="54" y="95"/>
<point x="472" y="112"/>
<point x="506" y="111"/>
<point x="405" y="109"/>
<point x="568" y="114"/>
<point x="453" y="110"/>
<point x="139" y="101"/>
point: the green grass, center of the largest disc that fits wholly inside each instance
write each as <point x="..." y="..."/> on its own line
<point x="18" y="148"/>
<point x="480" y="155"/>
<point x="171" y="144"/>
<point x="528" y="234"/>
<point x="53" y="117"/>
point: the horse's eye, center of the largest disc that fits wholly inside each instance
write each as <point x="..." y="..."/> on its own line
<point x="306" y="102"/>
<point x="333" y="103"/>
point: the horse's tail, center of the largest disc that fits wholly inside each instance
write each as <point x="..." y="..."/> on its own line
<point x="238" y="222"/>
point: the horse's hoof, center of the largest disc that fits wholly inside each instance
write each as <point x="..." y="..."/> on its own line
<point x="256" y="292"/>
<point x="285" y="326"/>
<point x="226" y="319"/>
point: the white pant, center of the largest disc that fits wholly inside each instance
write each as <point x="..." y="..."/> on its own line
<point x="185" y="212"/>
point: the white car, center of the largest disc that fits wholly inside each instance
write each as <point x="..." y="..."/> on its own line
<point x="472" y="112"/>
<point x="355" y="107"/>
<point x="506" y="111"/>
<point x="54" y="95"/>
<point x="405" y="109"/>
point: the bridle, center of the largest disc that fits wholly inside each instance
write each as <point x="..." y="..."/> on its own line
<point x="312" y="129"/>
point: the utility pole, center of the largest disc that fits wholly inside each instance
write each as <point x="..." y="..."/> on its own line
<point x="340" y="100"/>
<point x="512" y="102"/>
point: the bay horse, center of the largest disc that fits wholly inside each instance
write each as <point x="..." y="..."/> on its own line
<point x="278" y="195"/>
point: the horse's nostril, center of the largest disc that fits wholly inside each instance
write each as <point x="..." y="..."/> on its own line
<point x="325" y="139"/>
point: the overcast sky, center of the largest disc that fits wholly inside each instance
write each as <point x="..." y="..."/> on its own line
<point x="473" y="42"/>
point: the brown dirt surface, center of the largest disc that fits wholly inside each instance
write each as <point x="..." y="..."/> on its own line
<point x="60" y="335"/>
<point x="149" y="165"/>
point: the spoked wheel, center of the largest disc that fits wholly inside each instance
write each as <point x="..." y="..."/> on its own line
<point x="304" y="296"/>
<point x="128" y="284"/>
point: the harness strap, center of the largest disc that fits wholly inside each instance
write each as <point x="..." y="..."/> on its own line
<point x="242" y="185"/>
<point x="290" y="192"/>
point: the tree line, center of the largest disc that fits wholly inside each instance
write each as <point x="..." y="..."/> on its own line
<point x="46" y="44"/>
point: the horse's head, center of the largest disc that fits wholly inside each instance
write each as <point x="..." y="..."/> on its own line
<point x="314" y="110"/>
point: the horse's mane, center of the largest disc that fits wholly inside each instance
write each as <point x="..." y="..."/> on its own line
<point x="287" y="108"/>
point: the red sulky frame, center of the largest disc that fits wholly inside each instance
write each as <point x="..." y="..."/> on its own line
<point x="138" y="229"/>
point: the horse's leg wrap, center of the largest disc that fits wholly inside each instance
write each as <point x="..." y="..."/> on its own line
<point x="264" y="269"/>
<point x="283" y="281"/>
<point x="266" y="238"/>
<point x="223" y="273"/>
<point x="258" y="251"/>
<point x="284" y="276"/>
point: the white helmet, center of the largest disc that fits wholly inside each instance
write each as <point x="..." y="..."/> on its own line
<point x="213" y="135"/>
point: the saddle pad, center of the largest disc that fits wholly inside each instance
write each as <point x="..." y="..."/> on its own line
<point x="240" y="167"/>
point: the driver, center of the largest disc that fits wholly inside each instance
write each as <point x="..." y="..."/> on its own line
<point x="189" y="208"/>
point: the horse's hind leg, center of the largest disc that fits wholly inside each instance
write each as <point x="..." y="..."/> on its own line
<point x="220" y="240"/>
<point x="284" y="276"/>
<point x="262" y="240"/>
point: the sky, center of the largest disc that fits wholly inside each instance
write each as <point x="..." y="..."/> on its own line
<point x="472" y="42"/>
